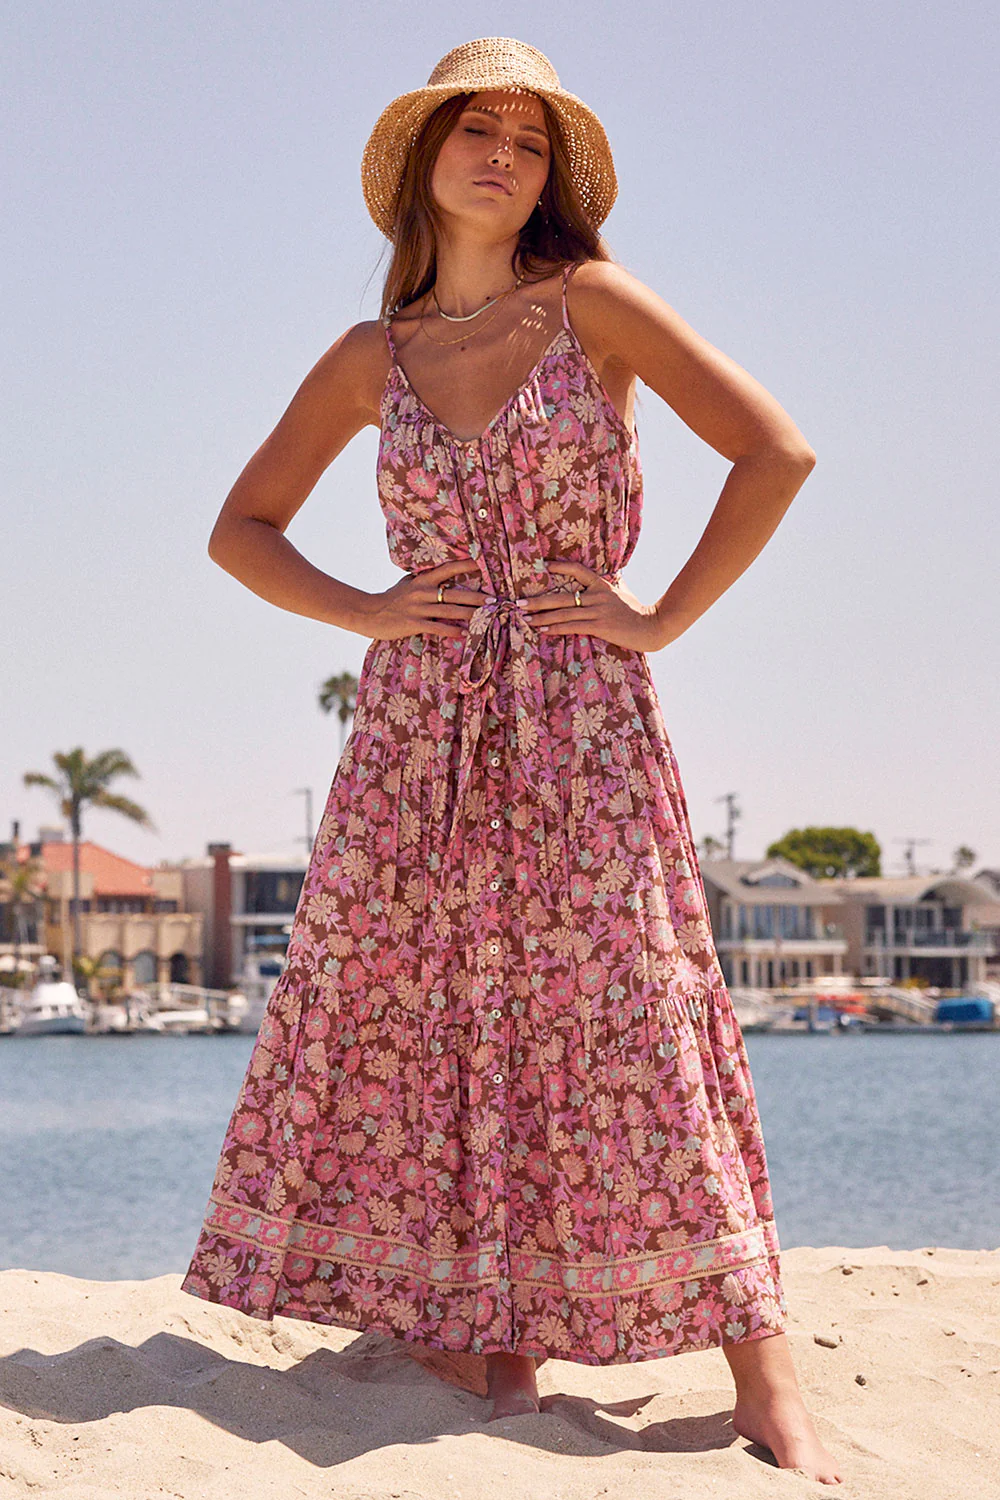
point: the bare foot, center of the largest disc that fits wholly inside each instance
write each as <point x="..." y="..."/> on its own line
<point x="510" y="1385"/>
<point x="783" y="1425"/>
<point x="770" y="1411"/>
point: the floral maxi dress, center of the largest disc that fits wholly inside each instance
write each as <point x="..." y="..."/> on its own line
<point x="499" y="1099"/>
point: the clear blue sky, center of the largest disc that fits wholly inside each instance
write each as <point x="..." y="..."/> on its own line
<point x="814" y="189"/>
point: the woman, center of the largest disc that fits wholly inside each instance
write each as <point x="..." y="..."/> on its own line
<point x="500" y="1103"/>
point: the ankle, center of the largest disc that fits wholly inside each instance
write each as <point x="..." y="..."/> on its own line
<point x="767" y="1392"/>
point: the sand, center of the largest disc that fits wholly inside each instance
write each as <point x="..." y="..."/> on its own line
<point x="133" y="1389"/>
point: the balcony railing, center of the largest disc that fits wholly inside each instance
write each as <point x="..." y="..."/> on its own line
<point x="816" y="934"/>
<point x="946" y="937"/>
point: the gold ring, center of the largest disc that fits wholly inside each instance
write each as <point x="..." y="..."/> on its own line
<point x="440" y="593"/>
<point x="576" y="593"/>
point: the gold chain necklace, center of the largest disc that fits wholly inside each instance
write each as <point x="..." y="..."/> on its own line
<point x="464" y="337"/>
<point x="468" y="317"/>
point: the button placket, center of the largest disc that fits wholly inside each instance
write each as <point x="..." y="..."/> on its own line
<point x="494" y="841"/>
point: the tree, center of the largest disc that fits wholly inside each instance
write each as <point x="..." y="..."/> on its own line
<point x="95" y="971"/>
<point x="711" y="847"/>
<point x="962" y="858"/>
<point x="342" y="691"/>
<point x="22" y="882"/>
<point x="827" y="852"/>
<point x="81" y="783"/>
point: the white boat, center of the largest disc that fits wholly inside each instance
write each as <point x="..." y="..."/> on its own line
<point x="179" y="1022"/>
<point x="126" y="1017"/>
<point x="51" y="1008"/>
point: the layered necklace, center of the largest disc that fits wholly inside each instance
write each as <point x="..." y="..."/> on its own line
<point x="467" y="317"/>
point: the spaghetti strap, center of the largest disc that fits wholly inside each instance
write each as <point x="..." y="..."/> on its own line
<point x="387" y="325"/>
<point x="567" y="273"/>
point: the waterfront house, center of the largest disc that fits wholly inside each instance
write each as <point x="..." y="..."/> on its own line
<point x="989" y="879"/>
<point x="772" y="923"/>
<point x="246" y="903"/>
<point x="132" y="916"/>
<point x="939" y="929"/>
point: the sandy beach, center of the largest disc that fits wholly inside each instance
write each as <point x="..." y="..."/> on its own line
<point x="132" y="1389"/>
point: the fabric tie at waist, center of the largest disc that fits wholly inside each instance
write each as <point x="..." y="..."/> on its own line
<point x="488" y="637"/>
<point x="498" y="628"/>
<point x="497" y="623"/>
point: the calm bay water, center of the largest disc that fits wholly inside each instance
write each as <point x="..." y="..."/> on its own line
<point x="109" y="1143"/>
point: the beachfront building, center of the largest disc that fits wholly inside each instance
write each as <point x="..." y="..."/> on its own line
<point x="989" y="879"/>
<point x="132" y="917"/>
<point x="22" y="911"/>
<point x="246" y="903"/>
<point x="772" y="922"/>
<point x="939" y="929"/>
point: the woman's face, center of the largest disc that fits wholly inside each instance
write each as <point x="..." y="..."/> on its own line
<point x="492" y="167"/>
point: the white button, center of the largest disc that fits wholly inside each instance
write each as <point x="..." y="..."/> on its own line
<point x="494" y="760"/>
<point x="498" y="1078"/>
<point x="496" y="1014"/>
<point x="494" y="948"/>
<point x="494" y="822"/>
<point x="481" y="512"/>
<point x="494" y="885"/>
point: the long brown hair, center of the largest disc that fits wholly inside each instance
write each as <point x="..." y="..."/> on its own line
<point x="557" y="233"/>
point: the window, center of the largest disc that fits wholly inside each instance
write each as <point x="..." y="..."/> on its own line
<point x="763" y="921"/>
<point x="272" y="891"/>
<point x="144" y="967"/>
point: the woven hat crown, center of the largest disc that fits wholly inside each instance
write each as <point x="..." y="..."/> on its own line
<point x="496" y="60"/>
<point x="492" y="62"/>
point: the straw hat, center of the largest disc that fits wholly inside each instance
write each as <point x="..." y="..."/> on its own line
<point x="492" y="62"/>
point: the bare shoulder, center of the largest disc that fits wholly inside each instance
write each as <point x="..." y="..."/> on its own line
<point x="605" y="284"/>
<point x="612" y="310"/>
<point x="602" y="292"/>
<point x="352" y="372"/>
<point x="638" y="333"/>
<point x="338" y="397"/>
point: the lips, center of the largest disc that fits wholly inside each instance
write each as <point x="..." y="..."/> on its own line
<point x="493" y="182"/>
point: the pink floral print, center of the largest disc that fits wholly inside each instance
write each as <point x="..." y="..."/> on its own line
<point x="500" y="1099"/>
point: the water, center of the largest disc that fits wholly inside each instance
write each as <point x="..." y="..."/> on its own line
<point x="109" y="1144"/>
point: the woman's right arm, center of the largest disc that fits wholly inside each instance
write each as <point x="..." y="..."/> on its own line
<point x="338" y="397"/>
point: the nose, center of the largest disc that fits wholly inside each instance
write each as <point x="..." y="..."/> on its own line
<point x="504" y="150"/>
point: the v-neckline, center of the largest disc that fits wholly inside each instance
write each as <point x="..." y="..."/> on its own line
<point x="471" y="442"/>
<point x="564" y="329"/>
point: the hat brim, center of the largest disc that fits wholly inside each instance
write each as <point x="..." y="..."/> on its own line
<point x="397" y="127"/>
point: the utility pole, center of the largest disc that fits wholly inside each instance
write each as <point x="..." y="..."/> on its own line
<point x="911" y="844"/>
<point x="733" y="814"/>
<point x="307" y="837"/>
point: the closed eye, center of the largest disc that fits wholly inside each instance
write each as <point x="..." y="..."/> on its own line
<point x="472" y="130"/>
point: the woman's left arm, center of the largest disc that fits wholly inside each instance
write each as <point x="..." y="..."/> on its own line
<point x="632" y="330"/>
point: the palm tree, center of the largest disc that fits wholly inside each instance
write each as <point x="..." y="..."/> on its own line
<point x="82" y="782"/>
<point x="22" y="883"/>
<point x="342" y="691"/>
<point x="96" y="971"/>
<point x="711" y="847"/>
